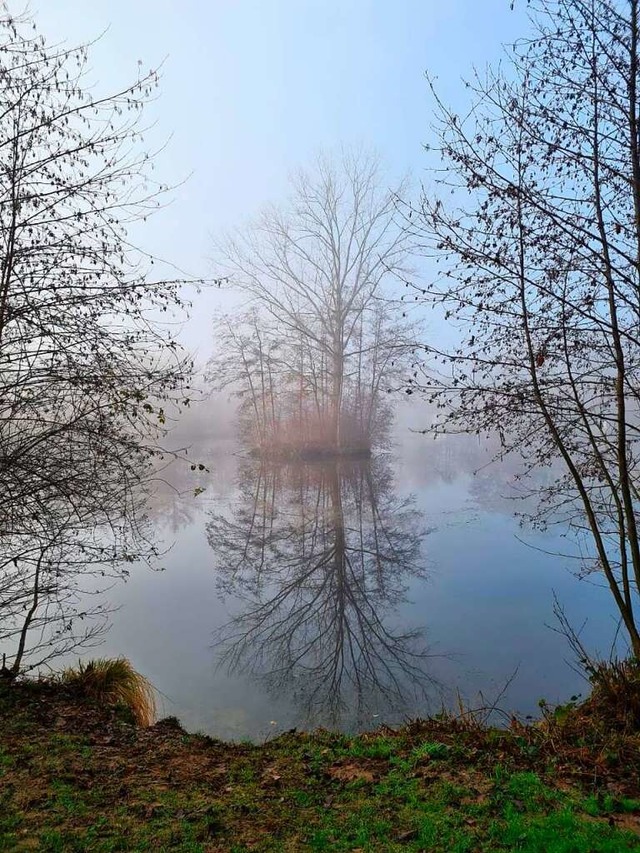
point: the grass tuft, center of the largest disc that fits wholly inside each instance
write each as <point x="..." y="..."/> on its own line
<point x="113" y="682"/>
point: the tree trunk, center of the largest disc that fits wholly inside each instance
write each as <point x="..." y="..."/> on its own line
<point x="337" y="379"/>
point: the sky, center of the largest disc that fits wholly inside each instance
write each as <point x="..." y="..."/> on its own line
<point x="252" y="89"/>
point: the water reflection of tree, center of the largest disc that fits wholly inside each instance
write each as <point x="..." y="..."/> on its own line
<point x="321" y="555"/>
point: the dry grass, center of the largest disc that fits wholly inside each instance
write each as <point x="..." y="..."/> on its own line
<point x="615" y="693"/>
<point x="613" y="703"/>
<point x="114" y="682"/>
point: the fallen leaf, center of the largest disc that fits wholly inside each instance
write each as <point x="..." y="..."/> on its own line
<point x="271" y="776"/>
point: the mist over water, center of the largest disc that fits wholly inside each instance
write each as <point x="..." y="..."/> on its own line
<point x="349" y="593"/>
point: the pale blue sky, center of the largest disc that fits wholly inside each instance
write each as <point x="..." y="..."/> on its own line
<point x="253" y="88"/>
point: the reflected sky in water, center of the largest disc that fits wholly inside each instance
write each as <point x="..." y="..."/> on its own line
<point x="350" y="594"/>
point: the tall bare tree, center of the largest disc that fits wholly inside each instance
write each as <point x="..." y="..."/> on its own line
<point x="87" y="372"/>
<point x="316" y="269"/>
<point x="536" y="229"/>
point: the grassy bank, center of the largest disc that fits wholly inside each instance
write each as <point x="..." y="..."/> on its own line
<point x="75" y="776"/>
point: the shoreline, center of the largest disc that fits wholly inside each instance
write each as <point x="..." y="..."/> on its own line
<point x="75" y="775"/>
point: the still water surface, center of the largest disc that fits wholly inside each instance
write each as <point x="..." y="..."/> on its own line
<point x="351" y="594"/>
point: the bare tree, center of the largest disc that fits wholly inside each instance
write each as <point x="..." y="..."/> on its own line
<point x="258" y="368"/>
<point x="537" y="235"/>
<point x="315" y="271"/>
<point x="87" y="371"/>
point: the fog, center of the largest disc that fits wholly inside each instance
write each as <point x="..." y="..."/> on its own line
<point x="251" y="91"/>
<point x="314" y="398"/>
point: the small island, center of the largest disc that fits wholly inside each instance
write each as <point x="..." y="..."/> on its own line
<point x="321" y="342"/>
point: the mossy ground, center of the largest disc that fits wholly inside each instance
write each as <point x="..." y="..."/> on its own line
<point x="74" y="777"/>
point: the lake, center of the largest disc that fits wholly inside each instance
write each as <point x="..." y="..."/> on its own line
<point x="350" y="594"/>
